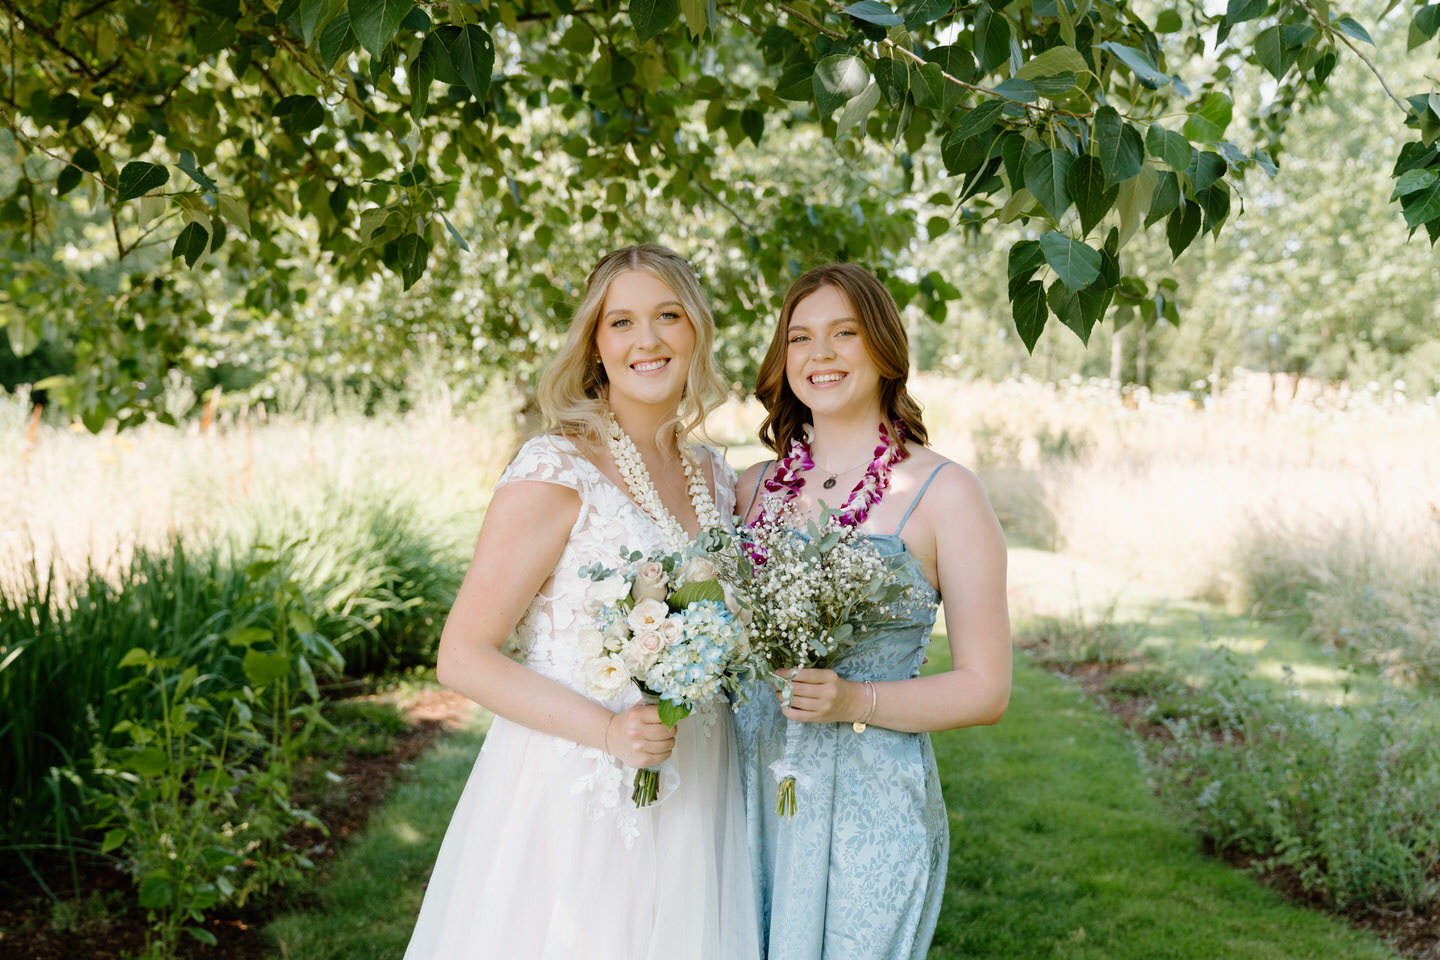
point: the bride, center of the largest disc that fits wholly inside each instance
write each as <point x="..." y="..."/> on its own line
<point x="546" y="856"/>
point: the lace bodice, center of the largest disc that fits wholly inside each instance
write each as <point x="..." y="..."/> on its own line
<point x="547" y="633"/>
<point x="608" y="520"/>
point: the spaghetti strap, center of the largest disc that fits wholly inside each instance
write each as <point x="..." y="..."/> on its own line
<point x="759" y="482"/>
<point x="916" y="502"/>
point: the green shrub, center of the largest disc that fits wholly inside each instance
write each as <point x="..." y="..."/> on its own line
<point x="1077" y="639"/>
<point x="1346" y="797"/>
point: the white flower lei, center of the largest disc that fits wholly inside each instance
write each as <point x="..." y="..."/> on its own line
<point x="637" y="478"/>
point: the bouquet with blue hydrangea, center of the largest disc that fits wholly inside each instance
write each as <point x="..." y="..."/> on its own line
<point x="669" y="624"/>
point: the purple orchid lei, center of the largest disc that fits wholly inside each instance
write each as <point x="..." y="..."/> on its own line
<point x="868" y="492"/>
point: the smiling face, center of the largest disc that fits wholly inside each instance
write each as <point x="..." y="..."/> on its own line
<point x="827" y="363"/>
<point x="645" y="340"/>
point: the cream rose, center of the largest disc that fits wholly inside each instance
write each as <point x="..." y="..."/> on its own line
<point x="617" y="631"/>
<point x="641" y="651"/>
<point x="671" y="629"/>
<point x="647" y="614"/>
<point x="651" y="582"/>
<point x="698" y="569"/>
<point x="605" y="677"/>
<point x="604" y="592"/>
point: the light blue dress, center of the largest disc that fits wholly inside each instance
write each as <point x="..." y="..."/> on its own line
<point x="859" y="871"/>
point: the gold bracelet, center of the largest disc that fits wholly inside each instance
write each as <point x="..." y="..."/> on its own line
<point x="859" y="725"/>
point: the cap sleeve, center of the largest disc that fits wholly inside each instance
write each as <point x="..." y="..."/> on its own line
<point x="547" y="459"/>
<point x="724" y="483"/>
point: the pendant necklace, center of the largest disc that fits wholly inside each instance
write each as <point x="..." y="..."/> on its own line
<point x="831" y="478"/>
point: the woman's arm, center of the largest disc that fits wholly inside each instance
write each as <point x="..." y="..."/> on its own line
<point x="524" y="533"/>
<point x="970" y="563"/>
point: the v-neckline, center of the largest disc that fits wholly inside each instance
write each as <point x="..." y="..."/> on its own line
<point x="625" y="495"/>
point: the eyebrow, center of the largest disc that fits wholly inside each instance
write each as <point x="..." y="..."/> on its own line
<point x="806" y="327"/>
<point x="658" y="306"/>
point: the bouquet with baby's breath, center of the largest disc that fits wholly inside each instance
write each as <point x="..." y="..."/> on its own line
<point x="809" y="590"/>
<point x="668" y="623"/>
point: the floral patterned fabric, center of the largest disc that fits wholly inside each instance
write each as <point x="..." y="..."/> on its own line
<point x="546" y="858"/>
<point x="859" y="871"/>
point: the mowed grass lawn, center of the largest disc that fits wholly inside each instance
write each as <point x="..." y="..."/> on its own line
<point x="1058" y="849"/>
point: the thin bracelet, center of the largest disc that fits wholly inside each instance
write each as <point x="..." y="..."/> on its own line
<point x="859" y="725"/>
<point x="608" y="724"/>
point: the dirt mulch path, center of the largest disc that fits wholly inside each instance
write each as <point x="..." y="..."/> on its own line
<point x="95" y="915"/>
<point x="1413" y="936"/>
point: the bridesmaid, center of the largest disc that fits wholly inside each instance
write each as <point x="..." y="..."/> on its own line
<point x="859" y="871"/>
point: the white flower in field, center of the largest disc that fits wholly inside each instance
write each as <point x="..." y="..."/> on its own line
<point x="642" y="650"/>
<point x="671" y="629"/>
<point x="698" y="569"/>
<point x="590" y="643"/>
<point x="651" y="582"/>
<point x="647" y="615"/>
<point x="605" y="677"/>
<point x="603" y="592"/>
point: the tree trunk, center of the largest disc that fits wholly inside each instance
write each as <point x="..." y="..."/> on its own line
<point x="1142" y="355"/>
<point x="1117" y="356"/>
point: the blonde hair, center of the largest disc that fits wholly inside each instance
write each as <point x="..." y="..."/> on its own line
<point x="573" y="389"/>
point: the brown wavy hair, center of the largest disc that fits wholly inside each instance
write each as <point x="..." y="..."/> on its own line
<point x="885" y="340"/>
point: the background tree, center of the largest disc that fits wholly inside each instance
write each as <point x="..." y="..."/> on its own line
<point x="226" y="146"/>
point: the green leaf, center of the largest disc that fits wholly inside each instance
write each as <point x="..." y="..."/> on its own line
<point x="1025" y="258"/>
<point x="1215" y="201"/>
<point x="315" y="14"/>
<point x="1045" y="178"/>
<point x="697" y="16"/>
<point x="953" y="61"/>
<point x="1351" y="28"/>
<point x="797" y="82"/>
<point x="24" y="337"/>
<point x="1121" y="150"/>
<point x="336" y="40"/>
<point x="203" y="935"/>
<point x="1027" y="306"/>
<point x="212" y="35"/>
<point x="416" y="21"/>
<point x="263" y="669"/>
<point x="1427" y="21"/>
<point x="1169" y="22"/>
<point x="838" y="80"/>
<point x="1241" y="11"/>
<point x="1205" y="168"/>
<point x="1165" y="198"/>
<point x="1021" y="90"/>
<point x="1413" y="181"/>
<point x="1182" y="227"/>
<point x="1421" y="206"/>
<point x="113" y="839"/>
<point x="917" y="13"/>
<point x="156" y="892"/>
<point x="693" y="592"/>
<point x="873" y="11"/>
<point x="1056" y="60"/>
<point x="376" y="22"/>
<point x="455" y="233"/>
<point x="893" y="76"/>
<point x="232" y="210"/>
<point x="1169" y="146"/>
<point x="978" y="120"/>
<point x="422" y="75"/>
<point x="139" y="178"/>
<point x="472" y="53"/>
<point x="136" y="657"/>
<point x="1088" y="188"/>
<point x="651" y="17"/>
<point x="1139" y="64"/>
<point x="929" y="87"/>
<point x="1055" y="85"/>
<point x="191" y="243"/>
<point x="991" y="41"/>
<point x="1273" y="53"/>
<point x="414" y="257"/>
<point x="188" y="167"/>
<point x="1209" y="119"/>
<point x="672" y="713"/>
<point x="855" y="111"/>
<point x="1074" y="262"/>
<point x="146" y="761"/>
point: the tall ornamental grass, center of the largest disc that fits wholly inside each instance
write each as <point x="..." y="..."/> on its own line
<point x="378" y="573"/>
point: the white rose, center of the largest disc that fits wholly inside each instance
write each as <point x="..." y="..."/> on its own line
<point x="605" y="677"/>
<point x="698" y="568"/>
<point x="647" y="615"/>
<point x="641" y="651"/>
<point x="671" y="629"/>
<point x="590" y="643"/>
<point x="650" y="582"/>
<point x="601" y="593"/>
<point x="617" y="631"/>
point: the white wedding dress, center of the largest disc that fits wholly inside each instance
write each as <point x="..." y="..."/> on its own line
<point x="546" y="857"/>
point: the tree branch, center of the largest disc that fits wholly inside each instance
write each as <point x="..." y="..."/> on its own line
<point x="1345" y="39"/>
<point x="705" y="189"/>
<point x="15" y="129"/>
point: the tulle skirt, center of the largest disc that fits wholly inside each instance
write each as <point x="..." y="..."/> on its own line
<point x="546" y="857"/>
